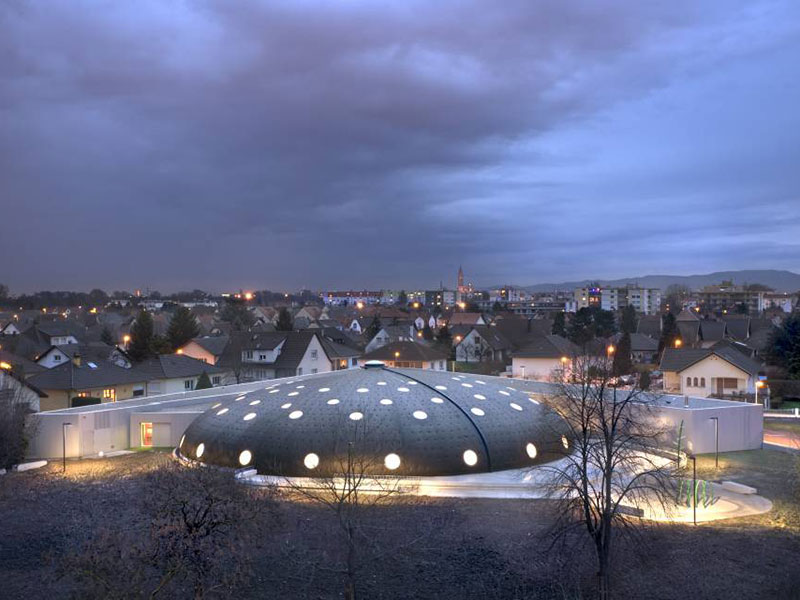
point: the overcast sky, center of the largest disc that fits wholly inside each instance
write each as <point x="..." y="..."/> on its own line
<point x="275" y="145"/>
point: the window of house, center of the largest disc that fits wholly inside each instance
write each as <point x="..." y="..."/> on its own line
<point x="353" y="362"/>
<point x="138" y="392"/>
<point x="689" y="382"/>
<point x="83" y="394"/>
<point x="188" y="384"/>
<point x="730" y="383"/>
<point x="441" y="365"/>
<point x="216" y="379"/>
<point x="314" y="355"/>
<point x="702" y="382"/>
<point x="248" y="354"/>
<point x="262" y="357"/>
<point x="110" y="394"/>
<point x="57" y="357"/>
<point x="313" y="371"/>
<point x="695" y="382"/>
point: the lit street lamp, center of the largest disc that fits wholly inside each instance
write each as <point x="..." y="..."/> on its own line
<point x="678" y="342"/>
<point x="759" y="384"/>
<point x="64" y="443"/>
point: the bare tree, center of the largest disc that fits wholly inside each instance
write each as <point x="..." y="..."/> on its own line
<point x="612" y="466"/>
<point x="349" y="485"/>
<point x="16" y="430"/>
<point x="191" y="537"/>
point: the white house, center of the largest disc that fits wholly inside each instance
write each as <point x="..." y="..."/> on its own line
<point x="723" y="371"/>
<point x="543" y="357"/>
<point x="483" y="344"/>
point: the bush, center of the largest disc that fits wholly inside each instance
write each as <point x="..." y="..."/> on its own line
<point x="84" y="401"/>
<point x="14" y="433"/>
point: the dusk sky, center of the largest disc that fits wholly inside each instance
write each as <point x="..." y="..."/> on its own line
<point x="277" y="145"/>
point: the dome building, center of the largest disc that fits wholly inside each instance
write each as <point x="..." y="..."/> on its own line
<point x="407" y="422"/>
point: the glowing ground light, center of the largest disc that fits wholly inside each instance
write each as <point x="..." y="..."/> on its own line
<point x="391" y="462"/>
<point x="419" y="414"/>
<point x="201" y="447"/>
<point x="245" y="457"/>
<point x="470" y="458"/>
<point x="531" y="450"/>
<point x="356" y="416"/>
<point x="295" y="414"/>
<point x="249" y="417"/>
<point x="565" y="442"/>
<point x="477" y="411"/>
<point x="222" y="412"/>
<point x="311" y="461"/>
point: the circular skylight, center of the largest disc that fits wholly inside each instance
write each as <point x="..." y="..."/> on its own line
<point x="295" y="414"/>
<point x="292" y="393"/>
<point x="362" y="390"/>
<point x="420" y="414"/>
<point x="403" y="389"/>
<point x="356" y="416"/>
<point x="287" y="405"/>
<point x="324" y="390"/>
<point x="477" y="411"/>
<point x="479" y="397"/>
<point x="386" y="401"/>
<point x="437" y="400"/>
<point x="222" y="412"/>
<point x="515" y="406"/>
<point x="249" y="417"/>
<point x="254" y="402"/>
<point x="333" y="401"/>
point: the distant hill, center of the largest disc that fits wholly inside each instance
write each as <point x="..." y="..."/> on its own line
<point x="780" y="281"/>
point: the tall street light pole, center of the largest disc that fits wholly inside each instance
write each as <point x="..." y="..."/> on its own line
<point x="64" y="443"/>
<point x="716" y="441"/>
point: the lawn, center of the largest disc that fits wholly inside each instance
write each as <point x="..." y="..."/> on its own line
<point x="418" y="548"/>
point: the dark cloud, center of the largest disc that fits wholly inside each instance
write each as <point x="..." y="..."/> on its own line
<point x="217" y="144"/>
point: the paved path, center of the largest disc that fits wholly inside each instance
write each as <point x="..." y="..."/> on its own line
<point x="785" y="439"/>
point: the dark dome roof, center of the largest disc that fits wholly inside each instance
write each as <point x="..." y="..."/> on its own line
<point x="413" y="422"/>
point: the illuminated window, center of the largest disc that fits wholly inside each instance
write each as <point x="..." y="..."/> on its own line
<point x="470" y="458"/>
<point x="392" y="461"/>
<point x="311" y="461"/>
<point x="110" y="394"/>
<point x="147" y="434"/>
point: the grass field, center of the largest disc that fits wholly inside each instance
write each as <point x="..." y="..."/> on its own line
<point x="421" y="548"/>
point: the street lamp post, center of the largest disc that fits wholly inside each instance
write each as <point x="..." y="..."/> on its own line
<point x="716" y="441"/>
<point x="694" y="488"/>
<point x="64" y="444"/>
<point x="759" y="384"/>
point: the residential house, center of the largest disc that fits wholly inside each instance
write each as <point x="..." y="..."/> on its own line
<point x="208" y="349"/>
<point x="170" y="373"/>
<point x="719" y="371"/>
<point x="644" y="349"/>
<point x="543" y="356"/>
<point x="466" y="318"/>
<point x="391" y="333"/>
<point x="15" y="389"/>
<point x="483" y="344"/>
<point x="408" y="354"/>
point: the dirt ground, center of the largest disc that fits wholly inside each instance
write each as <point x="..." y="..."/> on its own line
<point x="423" y="548"/>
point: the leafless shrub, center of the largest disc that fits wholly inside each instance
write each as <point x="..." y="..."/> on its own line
<point x="191" y="538"/>
<point x="15" y="428"/>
